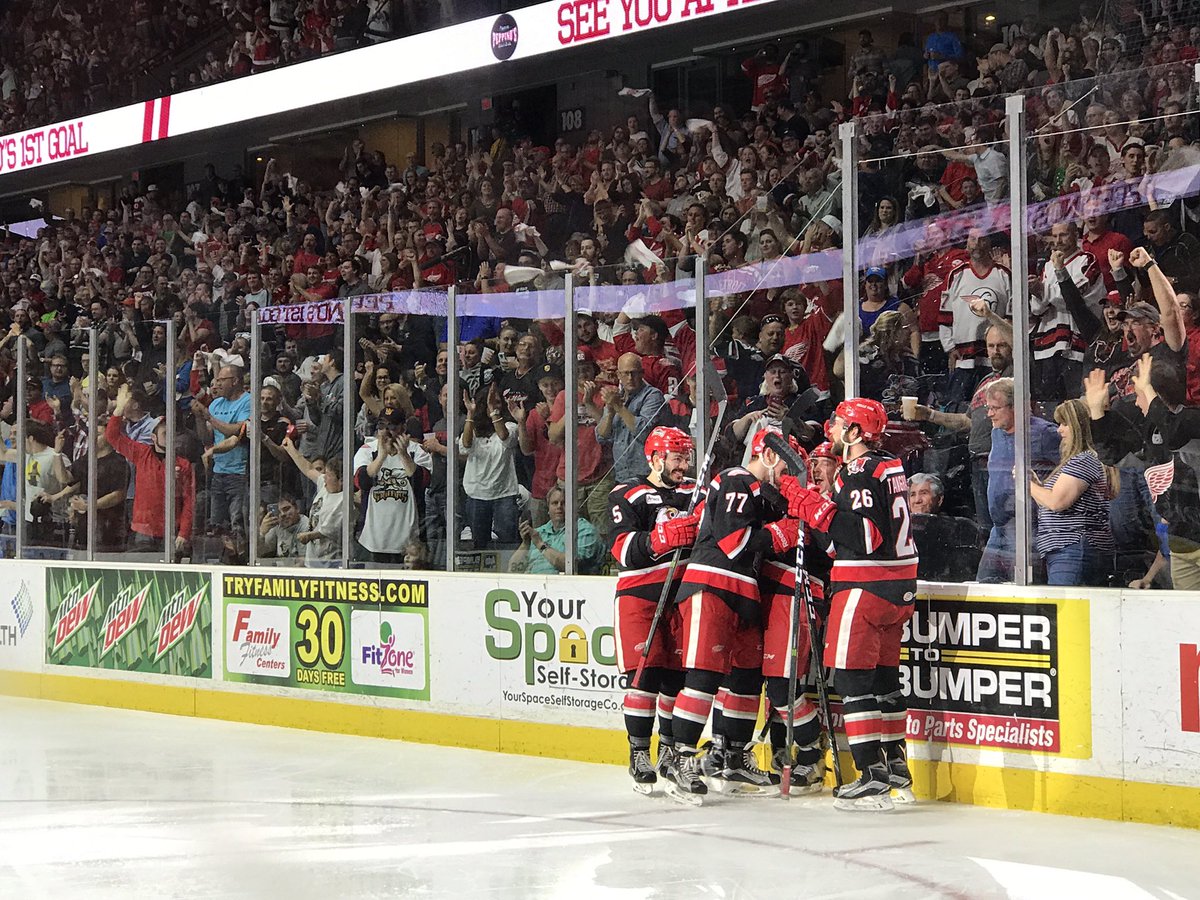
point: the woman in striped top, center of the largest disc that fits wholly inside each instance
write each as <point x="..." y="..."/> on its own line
<point x="1073" y="533"/>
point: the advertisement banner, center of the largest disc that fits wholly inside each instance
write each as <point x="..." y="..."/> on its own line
<point x="133" y="620"/>
<point x="994" y="672"/>
<point x="348" y="635"/>
<point x="554" y="641"/>
<point x="22" y="618"/>
<point x="1160" y="688"/>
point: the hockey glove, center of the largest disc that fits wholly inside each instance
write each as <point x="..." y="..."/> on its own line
<point x="789" y="485"/>
<point x="785" y="535"/>
<point x="672" y="534"/>
<point x="811" y="508"/>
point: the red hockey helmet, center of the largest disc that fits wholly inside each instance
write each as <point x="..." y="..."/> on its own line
<point x="868" y="415"/>
<point x="824" y="450"/>
<point x="759" y="442"/>
<point x="668" y="440"/>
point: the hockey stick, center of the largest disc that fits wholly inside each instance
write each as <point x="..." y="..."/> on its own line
<point x="803" y="594"/>
<point x="665" y="593"/>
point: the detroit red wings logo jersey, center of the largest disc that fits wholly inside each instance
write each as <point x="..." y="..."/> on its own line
<point x="872" y="531"/>
<point x="636" y="510"/>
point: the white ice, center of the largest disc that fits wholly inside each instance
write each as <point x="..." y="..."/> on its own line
<point x="103" y="803"/>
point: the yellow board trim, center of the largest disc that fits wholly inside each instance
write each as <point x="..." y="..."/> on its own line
<point x="1026" y="789"/>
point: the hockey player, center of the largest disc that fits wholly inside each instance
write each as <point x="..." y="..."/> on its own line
<point x="649" y="522"/>
<point x="822" y="468"/>
<point x="720" y="618"/>
<point x="873" y="583"/>
<point x="778" y="586"/>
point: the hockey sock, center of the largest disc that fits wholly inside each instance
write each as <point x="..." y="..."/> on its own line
<point x="743" y="689"/>
<point x="718" y="717"/>
<point x="862" y="715"/>
<point x="894" y="724"/>
<point x="692" y="707"/>
<point x="806" y="732"/>
<point x="893" y="710"/>
<point x="666" y="716"/>
<point x="639" y="717"/>
<point x="670" y="684"/>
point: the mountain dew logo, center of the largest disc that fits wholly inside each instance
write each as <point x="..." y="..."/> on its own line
<point x="385" y="655"/>
<point x="73" y="612"/>
<point x="122" y="616"/>
<point x="176" y="621"/>
<point x="22" y="605"/>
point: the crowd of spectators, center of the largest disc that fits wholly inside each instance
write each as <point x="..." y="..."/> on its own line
<point x="71" y="58"/>
<point x="633" y="206"/>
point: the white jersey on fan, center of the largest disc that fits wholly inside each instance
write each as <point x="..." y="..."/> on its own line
<point x="325" y="518"/>
<point x="1056" y="333"/>
<point x="391" y="514"/>
<point x="959" y="328"/>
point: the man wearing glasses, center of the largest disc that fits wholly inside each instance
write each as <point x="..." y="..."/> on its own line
<point x="996" y="565"/>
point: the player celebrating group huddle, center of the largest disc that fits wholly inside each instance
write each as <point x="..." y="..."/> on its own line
<point x="735" y="622"/>
<point x="873" y="584"/>
<point x="720" y="615"/>
<point x="650" y="521"/>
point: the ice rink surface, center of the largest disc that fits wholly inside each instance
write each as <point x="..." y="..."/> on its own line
<point x="116" y="804"/>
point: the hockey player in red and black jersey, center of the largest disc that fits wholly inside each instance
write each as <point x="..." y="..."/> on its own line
<point x="777" y="582"/>
<point x="873" y="584"/>
<point x="720" y="617"/>
<point x="649" y="522"/>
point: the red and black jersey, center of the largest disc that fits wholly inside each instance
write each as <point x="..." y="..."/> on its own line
<point x="872" y="529"/>
<point x="732" y="541"/>
<point x="635" y="511"/>
<point x="778" y="573"/>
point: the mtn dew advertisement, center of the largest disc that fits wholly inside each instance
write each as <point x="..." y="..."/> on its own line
<point x="133" y="620"/>
<point x="347" y="635"/>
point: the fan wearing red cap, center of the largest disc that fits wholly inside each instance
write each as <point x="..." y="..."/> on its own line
<point x="873" y="585"/>
<point x="649" y="522"/>
<point x="720" y="614"/>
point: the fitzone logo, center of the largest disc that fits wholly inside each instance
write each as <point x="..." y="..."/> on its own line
<point x="504" y="37"/>
<point x="391" y="661"/>
<point x="22" y="606"/>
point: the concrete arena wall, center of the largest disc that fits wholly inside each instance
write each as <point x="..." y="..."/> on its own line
<point x="1041" y="699"/>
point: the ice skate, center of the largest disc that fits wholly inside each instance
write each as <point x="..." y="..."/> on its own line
<point x="666" y="753"/>
<point x="807" y="778"/>
<point x="684" y="783"/>
<point x="871" y="793"/>
<point x="743" y="777"/>
<point x="642" y="772"/>
<point x="712" y="760"/>
<point x="900" y="780"/>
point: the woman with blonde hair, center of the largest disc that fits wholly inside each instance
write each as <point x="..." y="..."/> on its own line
<point x="1074" y="537"/>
